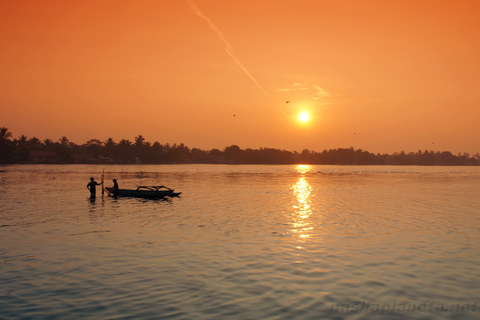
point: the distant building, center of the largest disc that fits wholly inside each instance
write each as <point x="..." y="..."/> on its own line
<point x="102" y="159"/>
<point x="81" y="158"/>
<point x="42" y="156"/>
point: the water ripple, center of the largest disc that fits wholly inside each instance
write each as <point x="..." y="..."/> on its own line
<point x="271" y="242"/>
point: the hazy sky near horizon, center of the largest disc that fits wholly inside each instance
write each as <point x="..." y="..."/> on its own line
<point x="383" y="76"/>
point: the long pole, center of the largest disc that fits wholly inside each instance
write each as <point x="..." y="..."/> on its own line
<point x="103" y="180"/>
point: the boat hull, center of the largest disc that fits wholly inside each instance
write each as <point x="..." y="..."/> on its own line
<point x="152" y="194"/>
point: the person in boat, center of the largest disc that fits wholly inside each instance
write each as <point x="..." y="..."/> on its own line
<point x="115" y="187"/>
<point x="92" y="186"/>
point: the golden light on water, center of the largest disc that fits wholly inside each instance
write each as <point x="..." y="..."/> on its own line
<point x="303" y="168"/>
<point x="302" y="207"/>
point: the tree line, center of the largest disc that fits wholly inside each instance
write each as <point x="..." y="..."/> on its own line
<point x="33" y="150"/>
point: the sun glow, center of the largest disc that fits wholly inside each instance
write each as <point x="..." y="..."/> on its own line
<point x="304" y="116"/>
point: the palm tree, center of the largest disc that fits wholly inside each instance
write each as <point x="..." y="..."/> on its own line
<point x="64" y="148"/>
<point x="34" y="143"/>
<point x="22" y="139"/>
<point x="124" y="151"/>
<point x="5" y="134"/>
<point x="48" y="143"/>
<point x="94" y="146"/>
<point x="6" y="145"/>
<point x="109" y="146"/>
<point x="23" y="148"/>
<point x="139" y="142"/>
<point x="64" y="141"/>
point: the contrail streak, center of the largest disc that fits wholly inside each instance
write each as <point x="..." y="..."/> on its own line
<point x="228" y="46"/>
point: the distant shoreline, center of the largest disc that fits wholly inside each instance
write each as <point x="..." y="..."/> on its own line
<point x="140" y="151"/>
<point x="239" y="164"/>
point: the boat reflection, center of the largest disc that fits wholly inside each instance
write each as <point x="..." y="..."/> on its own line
<point x="302" y="207"/>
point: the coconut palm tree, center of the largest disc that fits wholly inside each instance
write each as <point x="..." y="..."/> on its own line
<point x="124" y="151"/>
<point x="5" y="134"/>
<point x="35" y="143"/>
<point x="6" y="145"/>
<point x="22" y="147"/>
<point x="48" y="143"/>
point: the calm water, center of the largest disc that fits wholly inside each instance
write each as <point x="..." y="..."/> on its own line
<point x="242" y="242"/>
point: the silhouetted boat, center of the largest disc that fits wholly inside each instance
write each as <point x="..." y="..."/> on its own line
<point x="153" y="192"/>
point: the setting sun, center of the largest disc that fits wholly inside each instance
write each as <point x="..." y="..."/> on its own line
<point x="303" y="116"/>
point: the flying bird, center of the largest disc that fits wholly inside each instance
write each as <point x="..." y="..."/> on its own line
<point x="287" y="102"/>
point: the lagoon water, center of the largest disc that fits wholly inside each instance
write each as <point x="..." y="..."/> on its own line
<point x="241" y="242"/>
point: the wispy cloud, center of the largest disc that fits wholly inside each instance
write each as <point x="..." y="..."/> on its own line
<point x="316" y="91"/>
<point x="228" y="46"/>
<point x="291" y="89"/>
<point x="319" y="93"/>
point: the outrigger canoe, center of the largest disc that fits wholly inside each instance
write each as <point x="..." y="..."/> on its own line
<point x="153" y="192"/>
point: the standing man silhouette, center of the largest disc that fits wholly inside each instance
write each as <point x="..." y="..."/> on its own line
<point x="92" y="186"/>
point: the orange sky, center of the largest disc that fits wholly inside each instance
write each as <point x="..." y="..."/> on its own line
<point x="383" y="76"/>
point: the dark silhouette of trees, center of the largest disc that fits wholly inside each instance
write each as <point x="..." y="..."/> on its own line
<point x="94" y="146"/>
<point x="63" y="147"/>
<point x="124" y="151"/>
<point x="233" y="154"/>
<point x="35" y="144"/>
<point x="5" y="134"/>
<point x="109" y="148"/>
<point x="23" y="150"/>
<point x="48" y="143"/>
<point x="6" y="146"/>
<point x="178" y="154"/>
<point x="155" y="153"/>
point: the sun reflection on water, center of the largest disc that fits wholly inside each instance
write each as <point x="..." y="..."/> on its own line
<point x="302" y="207"/>
<point x="303" y="168"/>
